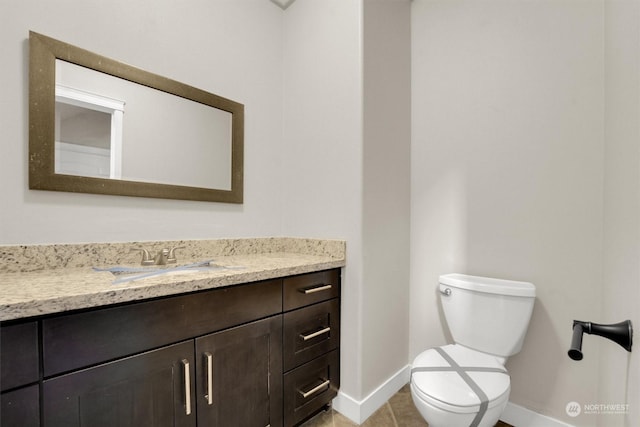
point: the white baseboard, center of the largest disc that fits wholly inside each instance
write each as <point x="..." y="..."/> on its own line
<point x="359" y="411"/>
<point x="520" y="416"/>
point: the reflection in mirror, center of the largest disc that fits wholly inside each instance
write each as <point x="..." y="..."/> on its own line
<point x="191" y="142"/>
<point x="88" y="134"/>
<point x="110" y="128"/>
<point x="83" y="142"/>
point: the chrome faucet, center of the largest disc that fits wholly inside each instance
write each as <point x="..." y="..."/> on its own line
<point x="163" y="257"/>
<point x="146" y="256"/>
<point x="171" y="256"/>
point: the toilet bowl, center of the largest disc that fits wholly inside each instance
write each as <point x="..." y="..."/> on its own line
<point x="453" y="386"/>
<point x="465" y="383"/>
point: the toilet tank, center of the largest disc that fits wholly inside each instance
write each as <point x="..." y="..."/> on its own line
<point x="488" y="315"/>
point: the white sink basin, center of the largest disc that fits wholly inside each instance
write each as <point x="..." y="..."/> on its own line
<point x="128" y="274"/>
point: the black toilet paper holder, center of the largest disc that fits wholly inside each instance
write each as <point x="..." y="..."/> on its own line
<point x="621" y="333"/>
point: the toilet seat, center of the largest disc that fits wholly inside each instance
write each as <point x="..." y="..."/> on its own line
<point x="442" y="385"/>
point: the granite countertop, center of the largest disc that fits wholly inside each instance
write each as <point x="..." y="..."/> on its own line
<point x="30" y="288"/>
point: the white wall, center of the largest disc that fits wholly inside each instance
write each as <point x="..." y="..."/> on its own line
<point x="231" y="48"/>
<point x="507" y="174"/>
<point x="322" y="153"/>
<point x="386" y="189"/>
<point x="347" y="141"/>
<point x="619" y="373"/>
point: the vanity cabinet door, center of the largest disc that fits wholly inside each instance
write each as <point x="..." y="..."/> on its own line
<point x="21" y="407"/>
<point x="240" y="376"/>
<point x="19" y="358"/>
<point x="150" y="389"/>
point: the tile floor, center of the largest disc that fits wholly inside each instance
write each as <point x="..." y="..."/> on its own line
<point x="399" y="411"/>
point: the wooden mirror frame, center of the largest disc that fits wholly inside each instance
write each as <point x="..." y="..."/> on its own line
<point x="43" y="52"/>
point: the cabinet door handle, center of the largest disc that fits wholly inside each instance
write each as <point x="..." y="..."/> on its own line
<point x="209" y="359"/>
<point x="315" y="334"/>
<point x="187" y="387"/>
<point x="306" y="394"/>
<point x="316" y="289"/>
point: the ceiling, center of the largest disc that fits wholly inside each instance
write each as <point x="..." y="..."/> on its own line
<point x="283" y="4"/>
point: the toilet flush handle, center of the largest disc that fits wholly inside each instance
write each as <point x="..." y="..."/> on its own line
<point x="446" y="292"/>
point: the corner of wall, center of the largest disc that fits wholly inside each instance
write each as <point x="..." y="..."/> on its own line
<point x="359" y="410"/>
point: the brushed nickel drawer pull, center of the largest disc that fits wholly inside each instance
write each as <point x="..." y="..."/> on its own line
<point x="209" y="395"/>
<point x="187" y="387"/>
<point x="315" y="334"/>
<point x="306" y="394"/>
<point x="316" y="289"/>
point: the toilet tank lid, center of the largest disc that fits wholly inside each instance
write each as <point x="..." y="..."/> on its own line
<point x="489" y="285"/>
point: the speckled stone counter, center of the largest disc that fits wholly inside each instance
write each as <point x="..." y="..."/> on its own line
<point x="46" y="279"/>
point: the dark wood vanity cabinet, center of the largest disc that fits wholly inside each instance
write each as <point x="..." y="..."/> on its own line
<point x="145" y="389"/>
<point x="241" y="356"/>
<point x="311" y="339"/>
<point x="224" y="382"/>
<point x="20" y="373"/>
<point x="241" y="375"/>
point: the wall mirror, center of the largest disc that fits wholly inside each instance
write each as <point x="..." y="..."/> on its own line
<point x="100" y="126"/>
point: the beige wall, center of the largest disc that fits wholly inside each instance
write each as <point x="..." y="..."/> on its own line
<point x="507" y="174"/>
<point x="231" y="48"/>
<point x="386" y="204"/>
<point x="347" y="141"/>
<point x="619" y="373"/>
<point x="321" y="163"/>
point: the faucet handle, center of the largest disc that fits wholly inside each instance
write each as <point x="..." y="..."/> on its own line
<point x="171" y="257"/>
<point x="146" y="256"/>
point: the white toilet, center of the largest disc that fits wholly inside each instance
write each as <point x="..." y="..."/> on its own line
<point x="466" y="383"/>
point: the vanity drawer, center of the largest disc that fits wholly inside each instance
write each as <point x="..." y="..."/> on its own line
<point x="82" y="339"/>
<point x="311" y="288"/>
<point x="19" y="360"/>
<point x="310" y="332"/>
<point x="309" y="387"/>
